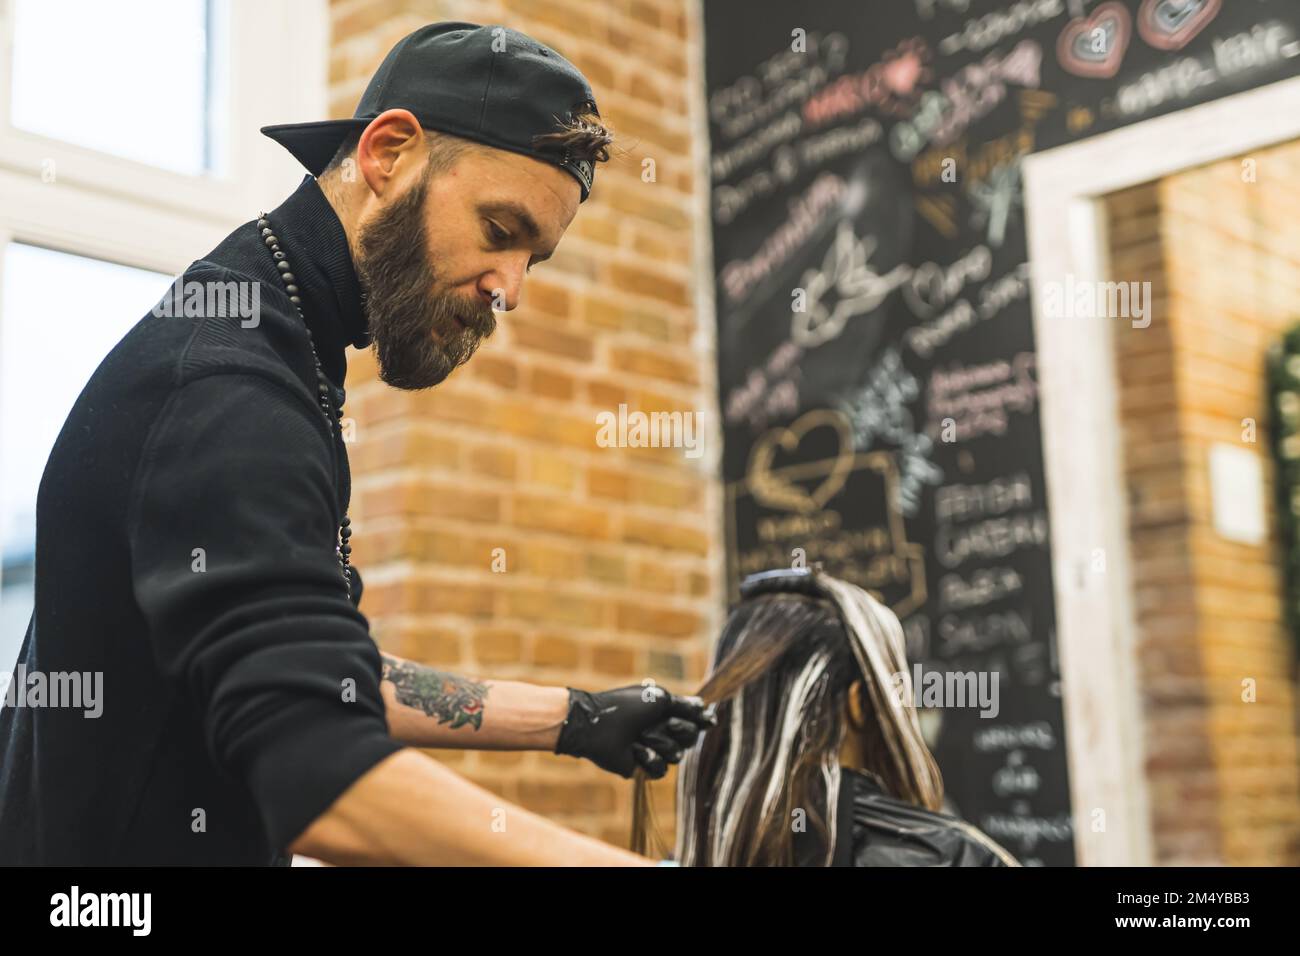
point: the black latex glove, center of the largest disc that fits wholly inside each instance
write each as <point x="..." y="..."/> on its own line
<point x="637" y="726"/>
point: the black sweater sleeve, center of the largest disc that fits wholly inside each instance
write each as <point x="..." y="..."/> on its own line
<point x="256" y="628"/>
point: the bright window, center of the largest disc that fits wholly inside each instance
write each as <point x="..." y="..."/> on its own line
<point x="36" y="394"/>
<point x="100" y="85"/>
<point x="129" y="147"/>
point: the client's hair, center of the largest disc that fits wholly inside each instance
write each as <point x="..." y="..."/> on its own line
<point x="780" y="677"/>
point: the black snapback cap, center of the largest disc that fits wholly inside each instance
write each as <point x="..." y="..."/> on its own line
<point x="491" y="84"/>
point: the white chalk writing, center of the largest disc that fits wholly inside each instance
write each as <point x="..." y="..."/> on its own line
<point x="964" y="98"/>
<point x="846" y="279"/>
<point x="933" y="286"/>
<point x="1037" y="735"/>
<point x="1262" y="46"/>
<point x="962" y="636"/>
<point x="980" y="33"/>
<point x="994" y="538"/>
<point x="985" y="586"/>
<point x="996" y="497"/>
<point x="782" y="80"/>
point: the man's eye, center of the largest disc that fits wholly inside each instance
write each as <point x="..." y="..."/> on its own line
<point x="498" y="234"/>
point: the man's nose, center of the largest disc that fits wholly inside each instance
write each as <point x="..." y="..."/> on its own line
<point x="500" y="287"/>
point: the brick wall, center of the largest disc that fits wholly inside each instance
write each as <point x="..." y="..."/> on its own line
<point x="1222" y="255"/>
<point x="611" y="554"/>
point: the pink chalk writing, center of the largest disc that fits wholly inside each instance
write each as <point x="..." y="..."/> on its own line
<point x="807" y="212"/>
<point x="968" y="401"/>
<point x="889" y="86"/>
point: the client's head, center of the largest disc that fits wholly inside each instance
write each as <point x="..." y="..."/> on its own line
<point x="803" y="684"/>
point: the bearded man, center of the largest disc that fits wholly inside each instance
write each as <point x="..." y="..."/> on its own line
<point x="192" y="529"/>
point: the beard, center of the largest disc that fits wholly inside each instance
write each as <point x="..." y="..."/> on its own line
<point x="418" y="340"/>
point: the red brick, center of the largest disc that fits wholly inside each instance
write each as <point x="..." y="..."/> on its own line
<point x="495" y="645"/>
<point x="496" y="369"/>
<point x="657" y="620"/>
<point x="494" y="460"/>
<point x="654" y="364"/>
<point x="560" y="516"/>
<point x="607" y="659"/>
<point x="550" y="384"/>
<point x="551" y="650"/>
<point x="552" y="341"/>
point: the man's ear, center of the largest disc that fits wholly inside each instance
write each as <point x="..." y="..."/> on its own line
<point x="390" y="149"/>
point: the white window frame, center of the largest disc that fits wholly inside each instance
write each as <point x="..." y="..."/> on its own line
<point x="125" y="211"/>
<point x="1096" y="624"/>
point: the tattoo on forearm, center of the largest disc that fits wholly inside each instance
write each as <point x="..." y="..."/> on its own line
<point x="449" y="697"/>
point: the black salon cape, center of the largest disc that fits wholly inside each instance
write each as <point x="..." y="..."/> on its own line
<point x="240" y="683"/>
<point x="874" y="829"/>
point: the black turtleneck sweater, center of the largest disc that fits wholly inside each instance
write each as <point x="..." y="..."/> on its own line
<point x="240" y="685"/>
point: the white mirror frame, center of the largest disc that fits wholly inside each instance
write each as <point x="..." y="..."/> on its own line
<point x="1096" y="624"/>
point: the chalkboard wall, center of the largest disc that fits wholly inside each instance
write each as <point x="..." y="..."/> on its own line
<point x="875" y="345"/>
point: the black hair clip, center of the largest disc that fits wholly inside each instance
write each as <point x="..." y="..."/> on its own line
<point x="783" y="581"/>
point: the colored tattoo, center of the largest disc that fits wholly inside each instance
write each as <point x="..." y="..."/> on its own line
<point x="449" y="697"/>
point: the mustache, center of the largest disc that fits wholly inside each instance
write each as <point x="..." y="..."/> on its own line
<point x="478" y="317"/>
<point x="403" y="280"/>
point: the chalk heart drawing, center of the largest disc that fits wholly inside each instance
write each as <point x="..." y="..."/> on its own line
<point x="775" y="491"/>
<point x="1076" y="47"/>
<point x="1171" y="24"/>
